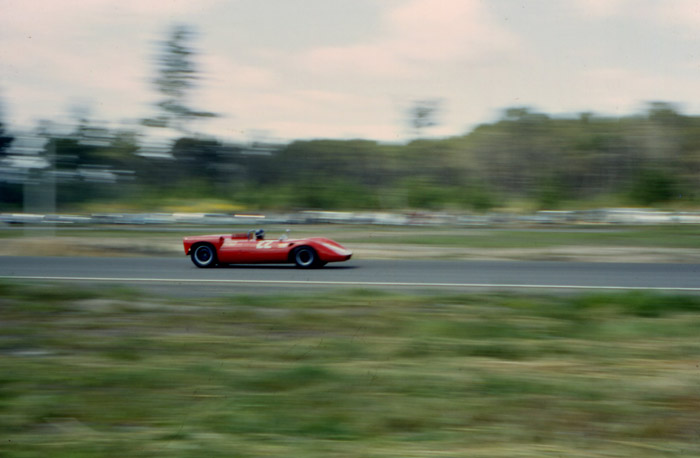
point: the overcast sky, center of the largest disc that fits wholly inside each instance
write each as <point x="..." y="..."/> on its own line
<point x="289" y="69"/>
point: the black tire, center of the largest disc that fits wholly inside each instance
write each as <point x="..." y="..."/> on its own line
<point x="306" y="258"/>
<point x="203" y="256"/>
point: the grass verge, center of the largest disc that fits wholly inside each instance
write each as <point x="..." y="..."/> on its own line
<point x="356" y="374"/>
<point x="671" y="236"/>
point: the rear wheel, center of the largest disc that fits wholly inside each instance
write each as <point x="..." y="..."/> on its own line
<point x="306" y="258"/>
<point x="203" y="256"/>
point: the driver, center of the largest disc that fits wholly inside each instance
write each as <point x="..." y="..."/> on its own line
<point x="260" y="234"/>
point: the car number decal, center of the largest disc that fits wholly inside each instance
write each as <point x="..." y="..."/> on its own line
<point x="267" y="244"/>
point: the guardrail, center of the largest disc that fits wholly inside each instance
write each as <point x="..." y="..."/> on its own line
<point x="601" y="216"/>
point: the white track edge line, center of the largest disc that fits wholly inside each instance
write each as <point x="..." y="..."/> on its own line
<point x="347" y="283"/>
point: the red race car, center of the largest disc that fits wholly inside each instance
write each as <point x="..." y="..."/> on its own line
<point x="252" y="248"/>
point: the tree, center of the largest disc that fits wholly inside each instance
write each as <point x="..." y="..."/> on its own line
<point x="10" y="193"/>
<point x="5" y="139"/>
<point x="177" y="75"/>
<point x="423" y="114"/>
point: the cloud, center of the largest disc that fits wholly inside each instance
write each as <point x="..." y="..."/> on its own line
<point x="599" y="9"/>
<point x="685" y="13"/>
<point x="429" y="31"/>
<point x="417" y="34"/>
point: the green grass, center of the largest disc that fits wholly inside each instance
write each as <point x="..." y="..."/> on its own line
<point x="357" y="374"/>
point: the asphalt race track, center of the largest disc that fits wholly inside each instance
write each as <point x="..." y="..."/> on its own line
<point x="174" y="273"/>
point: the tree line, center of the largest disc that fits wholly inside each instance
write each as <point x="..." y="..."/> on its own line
<point x="527" y="157"/>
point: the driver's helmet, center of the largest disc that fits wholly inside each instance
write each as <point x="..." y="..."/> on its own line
<point x="260" y="234"/>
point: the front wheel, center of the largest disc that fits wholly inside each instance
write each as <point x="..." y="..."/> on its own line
<point x="306" y="258"/>
<point x="204" y="256"/>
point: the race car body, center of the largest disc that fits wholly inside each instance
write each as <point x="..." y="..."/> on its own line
<point x="252" y="248"/>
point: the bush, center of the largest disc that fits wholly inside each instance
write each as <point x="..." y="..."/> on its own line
<point x="653" y="186"/>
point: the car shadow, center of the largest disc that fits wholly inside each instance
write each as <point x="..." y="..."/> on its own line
<point x="282" y="267"/>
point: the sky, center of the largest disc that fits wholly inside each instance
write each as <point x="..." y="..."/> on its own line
<point x="302" y="69"/>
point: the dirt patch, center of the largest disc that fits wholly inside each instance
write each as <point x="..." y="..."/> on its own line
<point x="76" y="246"/>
